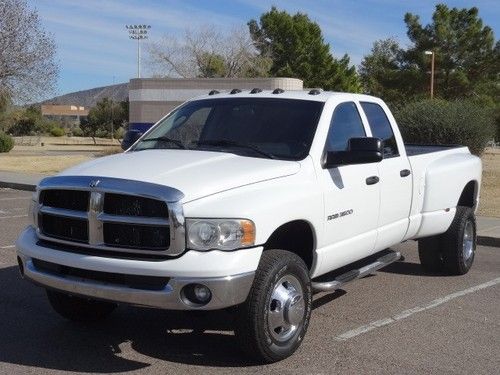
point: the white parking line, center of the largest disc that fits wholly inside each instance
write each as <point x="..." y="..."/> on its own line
<point x="13" y="217"/>
<point x="7" y="247"/>
<point x="407" y="313"/>
<point x="13" y="198"/>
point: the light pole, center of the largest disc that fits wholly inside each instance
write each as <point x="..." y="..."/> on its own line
<point x="138" y="32"/>
<point x="112" y="115"/>
<point x="432" y="71"/>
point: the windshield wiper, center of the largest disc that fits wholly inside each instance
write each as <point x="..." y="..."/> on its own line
<point x="226" y="142"/>
<point x="165" y="139"/>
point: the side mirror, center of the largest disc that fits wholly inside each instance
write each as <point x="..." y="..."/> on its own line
<point x="359" y="151"/>
<point x="130" y="138"/>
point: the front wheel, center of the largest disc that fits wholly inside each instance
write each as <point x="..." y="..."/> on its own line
<point x="271" y="324"/>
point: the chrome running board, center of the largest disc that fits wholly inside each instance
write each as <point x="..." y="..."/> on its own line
<point x="357" y="273"/>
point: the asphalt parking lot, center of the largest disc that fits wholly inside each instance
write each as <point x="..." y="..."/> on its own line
<point x="398" y="320"/>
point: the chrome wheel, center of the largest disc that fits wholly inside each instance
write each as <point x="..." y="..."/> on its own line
<point x="286" y="308"/>
<point x="468" y="241"/>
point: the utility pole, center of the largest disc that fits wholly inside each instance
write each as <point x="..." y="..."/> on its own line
<point x="432" y="71"/>
<point x="138" y="32"/>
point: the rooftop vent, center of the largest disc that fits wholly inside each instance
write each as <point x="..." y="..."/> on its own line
<point x="235" y="91"/>
<point x="213" y="92"/>
<point x="255" y="90"/>
<point x="314" y="92"/>
<point x="278" y="91"/>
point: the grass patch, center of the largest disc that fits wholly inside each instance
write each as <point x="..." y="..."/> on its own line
<point x="489" y="204"/>
<point x="39" y="164"/>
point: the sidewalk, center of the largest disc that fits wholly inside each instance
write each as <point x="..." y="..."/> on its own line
<point x="19" y="181"/>
<point x="488" y="231"/>
<point x="488" y="228"/>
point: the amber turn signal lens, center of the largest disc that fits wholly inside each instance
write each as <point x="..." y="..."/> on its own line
<point x="248" y="229"/>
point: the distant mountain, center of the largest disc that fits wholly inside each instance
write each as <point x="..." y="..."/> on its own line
<point x="89" y="98"/>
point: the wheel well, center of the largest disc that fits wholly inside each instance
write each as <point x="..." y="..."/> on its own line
<point x="468" y="196"/>
<point x="297" y="237"/>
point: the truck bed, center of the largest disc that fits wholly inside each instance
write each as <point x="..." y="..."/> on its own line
<point x="413" y="149"/>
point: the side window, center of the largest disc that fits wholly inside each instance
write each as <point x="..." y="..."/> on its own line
<point x="346" y="123"/>
<point x="381" y="128"/>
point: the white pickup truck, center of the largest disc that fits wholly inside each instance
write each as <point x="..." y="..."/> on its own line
<point x="252" y="200"/>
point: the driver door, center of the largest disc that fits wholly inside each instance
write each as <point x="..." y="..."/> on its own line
<point x="351" y="198"/>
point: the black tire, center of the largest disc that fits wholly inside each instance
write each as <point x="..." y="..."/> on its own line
<point x="79" y="309"/>
<point x="431" y="254"/>
<point x="277" y="269"/>
<point x="458" y="257"/>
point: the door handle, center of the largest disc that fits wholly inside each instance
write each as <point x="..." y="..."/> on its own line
<point x="404" y="172"/>
<point x="372" y="180"/>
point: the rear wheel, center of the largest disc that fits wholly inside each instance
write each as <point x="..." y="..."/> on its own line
<point x="459" y="242"/>
<point x="453" y="251"/>
<point x="271" y="324"/>
<point x="79" y="309"/>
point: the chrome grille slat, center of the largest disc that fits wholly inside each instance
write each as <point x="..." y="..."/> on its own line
<point x="137" y="220"/>
<point x="63" y="212"/>
<point x="96" y="235"/>
<point x="98" y="187"/>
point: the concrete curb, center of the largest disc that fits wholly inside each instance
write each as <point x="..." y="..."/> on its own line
<point x="488" y="241"/>
<point x="17" y="186"/>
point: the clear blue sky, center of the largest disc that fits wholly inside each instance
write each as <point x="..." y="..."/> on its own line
<point x="94" y="49"/>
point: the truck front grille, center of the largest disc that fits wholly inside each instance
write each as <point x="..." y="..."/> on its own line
<point x="134" y="236"/>
<point x="64" y="228"/>
<point x="67" y="199"/>
<point x="109" y="215"/>
<point x="129" y="205"/>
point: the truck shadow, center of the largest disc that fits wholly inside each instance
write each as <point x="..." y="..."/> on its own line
<point x="32" y="334"/>
<point x="408" y="268"/>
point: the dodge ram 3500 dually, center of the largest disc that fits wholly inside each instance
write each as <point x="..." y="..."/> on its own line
<point x="252" y="200"/>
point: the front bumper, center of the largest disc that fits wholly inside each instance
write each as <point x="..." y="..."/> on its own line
<point x="228" y="289"/>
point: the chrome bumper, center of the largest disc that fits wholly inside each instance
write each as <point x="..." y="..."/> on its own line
<point x="226" y="291"/>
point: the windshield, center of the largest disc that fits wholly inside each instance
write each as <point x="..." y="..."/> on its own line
<point x="256" y="127"/>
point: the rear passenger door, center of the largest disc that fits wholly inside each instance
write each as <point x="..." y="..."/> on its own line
<point x="395" y="180"/>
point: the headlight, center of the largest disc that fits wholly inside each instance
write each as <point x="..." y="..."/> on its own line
<point x="222" y="234"/>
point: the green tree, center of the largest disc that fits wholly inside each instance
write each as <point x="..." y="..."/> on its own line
<point x="464" y="50"/>
<point x="25" y="121"/>
<point x="296" y="47"/>
<point x="383" y="73"/>
<point x="104" y="117"/>
<point x="467" y="61"/>
<point x="211" y="65"/>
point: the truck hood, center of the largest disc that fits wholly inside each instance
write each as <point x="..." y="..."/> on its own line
<point x="197" y="174"/>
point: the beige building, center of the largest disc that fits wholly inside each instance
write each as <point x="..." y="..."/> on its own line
<point x="152" y="98"/>
<point x="68" y="114"/>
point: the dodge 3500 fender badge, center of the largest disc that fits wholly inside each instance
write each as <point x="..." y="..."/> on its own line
<point x="339" y="214"/>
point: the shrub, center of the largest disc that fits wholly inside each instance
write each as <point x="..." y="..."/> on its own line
<point x="102" y="134"/>
<point x="6" y="142"/>
<point x="57" y="132"/>
<point x="23" y="126"/>
<point x="447" y="122"/>
<point x="119" y="133"/>
<point x="77" y="132"/>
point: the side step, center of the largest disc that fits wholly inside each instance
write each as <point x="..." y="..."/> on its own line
<point x="340" y="280"/>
